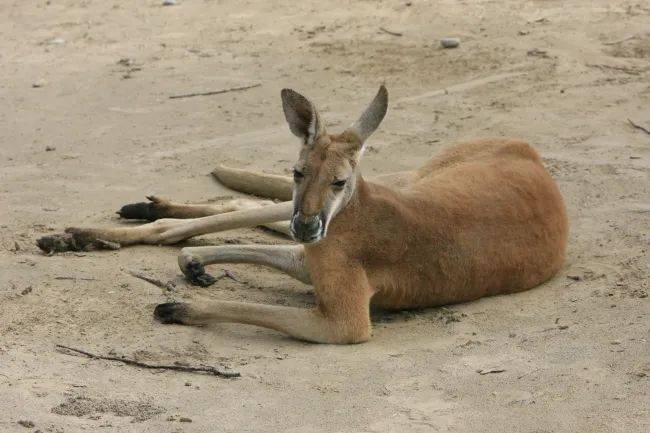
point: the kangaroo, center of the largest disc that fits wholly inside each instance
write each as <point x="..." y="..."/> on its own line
<point x="482" y="218"/>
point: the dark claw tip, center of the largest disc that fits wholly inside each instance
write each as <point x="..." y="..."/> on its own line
<point x="170" y="312"/>
<point x="138" y="211"/>
<point x="57" y="244"/>
<point x="195" y="273"/>
<point x="204" y="280"/>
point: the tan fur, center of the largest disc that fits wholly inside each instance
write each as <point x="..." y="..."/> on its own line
<point x="480" y="219"/>
<point x="483" y="218"/>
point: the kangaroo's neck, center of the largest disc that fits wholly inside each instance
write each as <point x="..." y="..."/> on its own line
<point x="367" y="195"/>
<point x="353" y="214"/>
<point x="369" y="218"/>
<point x="359" y="194"/>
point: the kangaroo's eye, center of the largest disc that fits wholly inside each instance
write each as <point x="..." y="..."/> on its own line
<point x="297" y="175"/>
<point x="339" y="183"/>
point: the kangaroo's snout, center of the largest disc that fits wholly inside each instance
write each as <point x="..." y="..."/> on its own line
<point x="306" y="229"/>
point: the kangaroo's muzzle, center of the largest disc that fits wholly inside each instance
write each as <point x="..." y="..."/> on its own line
<point x="307" y="229"/>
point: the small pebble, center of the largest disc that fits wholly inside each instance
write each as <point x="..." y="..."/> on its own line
<point x="39" y="83"/>
<point x="169" y="2"/>
<point x="56" y="41"/>
<point x="449" y="42"/>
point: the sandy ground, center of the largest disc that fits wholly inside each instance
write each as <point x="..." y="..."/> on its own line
<point x="564" y="75"/>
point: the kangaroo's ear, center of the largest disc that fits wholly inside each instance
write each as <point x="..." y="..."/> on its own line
<point x="302" y="117"/>
<point x="372" y="117"/>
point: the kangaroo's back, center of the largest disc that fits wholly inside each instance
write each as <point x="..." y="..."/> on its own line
<point x="489" y="220"/>
<point x="481" y="150"/>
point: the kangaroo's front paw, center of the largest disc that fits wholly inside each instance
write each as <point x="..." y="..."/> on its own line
<point x="196" y="275"/>
<point x="194" y="269"/>
<point x="172" y="312"/>
<point x="152" y="210"/>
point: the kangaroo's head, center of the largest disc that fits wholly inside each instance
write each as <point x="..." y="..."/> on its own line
<point x="326" y="172"/>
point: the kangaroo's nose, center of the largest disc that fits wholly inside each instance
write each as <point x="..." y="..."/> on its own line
<point x="310" y="223"/>
<point x="306" y="228"/>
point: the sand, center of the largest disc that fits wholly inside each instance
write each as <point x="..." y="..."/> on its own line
<point x="91" y="81"/>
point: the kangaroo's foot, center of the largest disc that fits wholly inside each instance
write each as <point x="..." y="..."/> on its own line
<point x="171" y="312"/>
<point x="194" y="270"/>
<point x="154" y="209"/>
<point x="74" y="240"/>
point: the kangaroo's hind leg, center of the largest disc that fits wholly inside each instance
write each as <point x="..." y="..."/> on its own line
<point x="158" y="207"/>
<point x="167" y="230"/>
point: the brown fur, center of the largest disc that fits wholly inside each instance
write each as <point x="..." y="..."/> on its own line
<point x="480" y="219"/>
<point x="483" y="218"/>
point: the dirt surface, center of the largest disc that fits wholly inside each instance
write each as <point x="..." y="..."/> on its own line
<point x="91" y="81"/>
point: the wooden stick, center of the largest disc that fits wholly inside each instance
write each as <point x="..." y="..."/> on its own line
<point x="620" y="40"/>
<point x="156" y="282"/>
<point x="215" y="92"/>
<point x="461" y="87"/>
<point x="75" y="278"/>
<point x="647" y="131"/>
<point x="201" y="369"/>
<point x="389" y="32"/>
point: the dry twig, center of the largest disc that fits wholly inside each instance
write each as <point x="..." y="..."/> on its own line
<point x="620" y="40"/>
<point x="637" y="126"/>
<point x="492" y="370"/>
<point x="201" y="369"/>
<point x="75" y="278"/>
<point x="156" y="282"/>
<point x="390" y="32"/>
<point x="215" y="92"/>
<point x="228" y="274"/>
